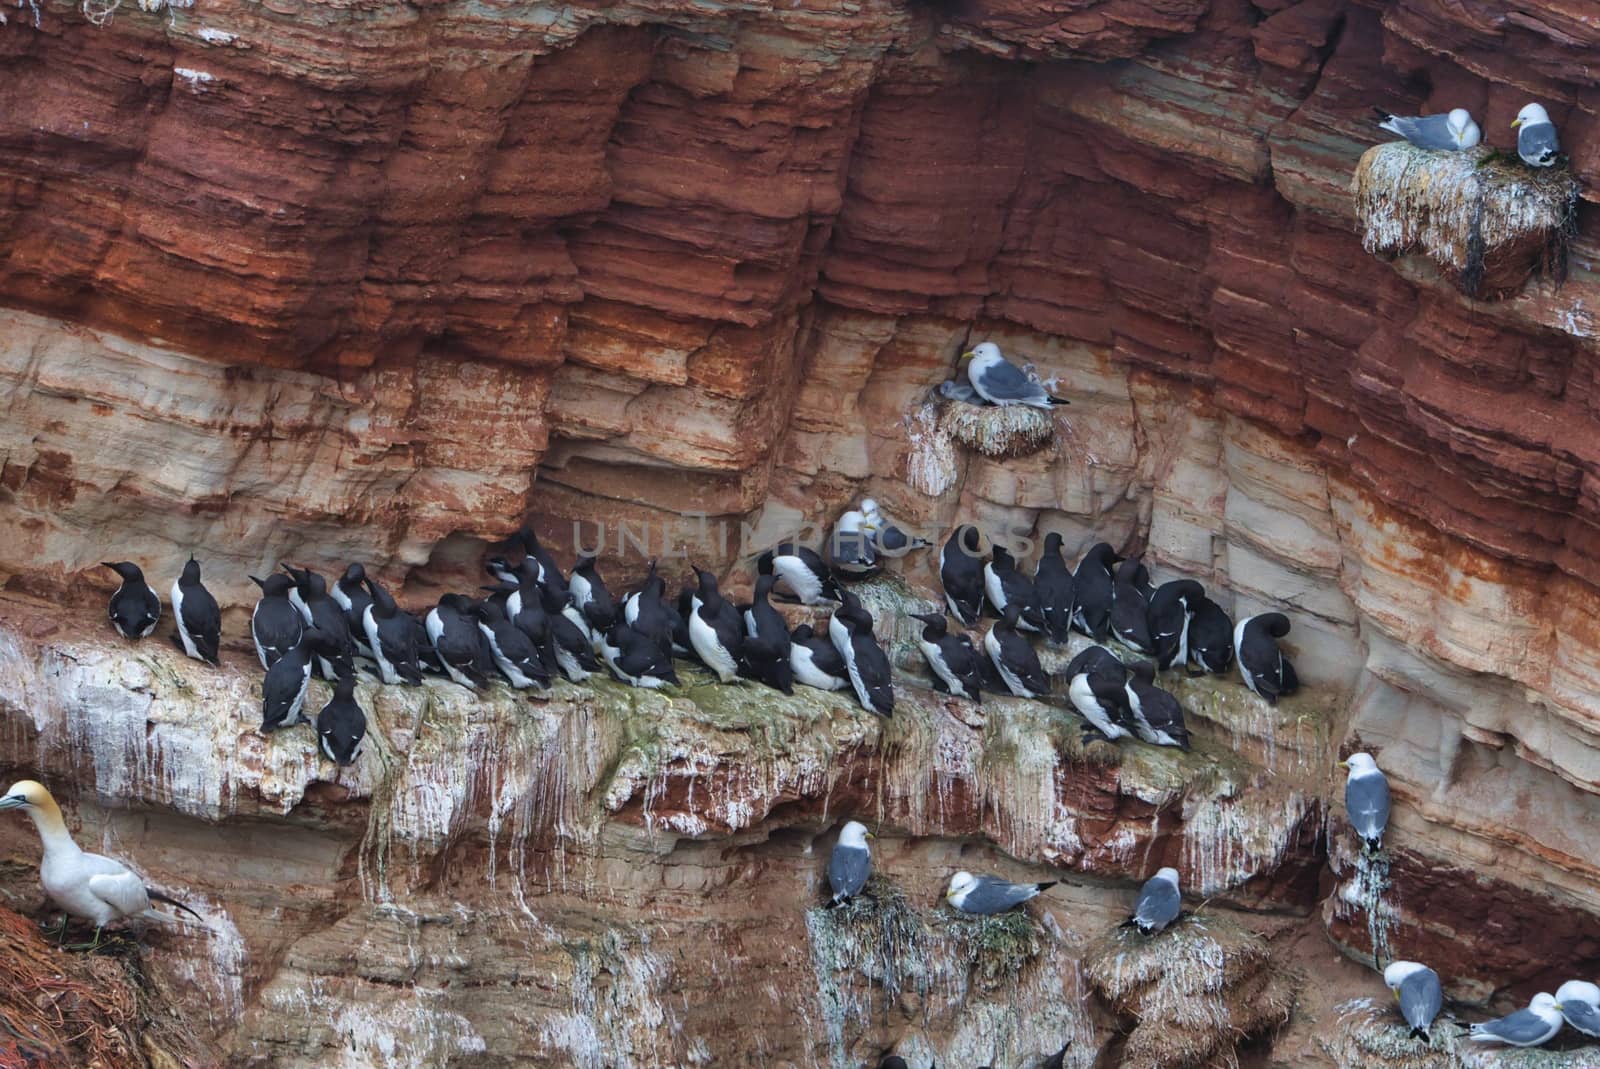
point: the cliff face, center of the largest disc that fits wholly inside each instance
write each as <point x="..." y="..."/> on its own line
<point x="328" y="282"/>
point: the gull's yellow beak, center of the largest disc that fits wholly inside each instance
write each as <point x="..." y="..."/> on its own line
<point x="1515" y="123"/>
<point x="871" y="836"/>
<point x="1344" y="764"/>
<point x="949" y="893"/>
<point x="1558" y="1006"/>
<point x="1395" y="991"/>
<point x="968" y="355"/>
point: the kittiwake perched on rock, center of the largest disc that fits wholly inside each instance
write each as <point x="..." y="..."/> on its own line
<point x="87" y="886"/>
<point x="1449" y="131"/>
<point x="1537" y="143"/>
<point x="195" y="612"/>
<point x="850" y="864"/>
<point x="986" y="895"/>
<point x="1416" y="988"/>
<point x="1366" y="798"/>
<point x="134" y="608"/>
<point x="1580" y="1005"/>
<point x="1159" y="903"/>
<point x="1525" y="1028"/>
<point x="1001" y="382"/>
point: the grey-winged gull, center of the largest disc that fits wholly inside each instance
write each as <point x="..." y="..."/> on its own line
<point x="1366" y="798"/>
<point x="1580" y="1005"/>
<point x="1537" y="143"/>
<point x="1449" y="131"/>
<point x="890" y="538"/>
<point x="1416" y="988"/>
<point x="850" y="864"/>
<point x="1001" y="382"/>
<point x="1525" y="1028"/>
<point x="987" y="895"/>
<point x="1159" y="903"/>
<point x="851" y="549"/>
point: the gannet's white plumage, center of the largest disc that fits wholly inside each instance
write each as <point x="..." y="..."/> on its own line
<point x="88" y="886"/>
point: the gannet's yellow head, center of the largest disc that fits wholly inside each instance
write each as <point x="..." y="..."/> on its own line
<point x="26" y="793"/>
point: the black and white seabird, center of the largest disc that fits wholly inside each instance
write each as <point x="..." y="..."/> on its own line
<point x="1004" y="585"/>
<point x="323" y="613"/>
<point x="957" y="668"/>
<point x="522" y="577"/>
<point x="1171" y="607"/>
<point x="1052" y="591"/>
<point x="275" y="625"/>
<point x="1160" y="903"/>
<point x="350" y="594"/>
<point x="1092" y="589"/>
<point x="341" y="725"/>
<point x="761" y="660"/>
<point x="134" y="608"/>
<point x="891" y="539"/>
<point x="391" y="636"/>
<point x="513" y="652"/>
<point x="715" y="635"/>
<point x="570" y="640"/>
<point x="637" y="659"/>
<point x="764" y="620"/>
<point x="1001" y="382"/>
<point x="1211" y="638"/>
<point x="852" y="553"/>
<point x="592" y="597"/>
<point x="1366" y="799"/>
<point x="453" y="631"/>
<point x="1537" y="143"/>
<point x="1157" y="715"/>
<point x="988" y="895"/>
<point x="1416" y="988"/>
<point x="815" y="660"/>
<point x="646" y="610"/>
<point x="541" y="559"/>
<point x="866" y="665"/>
<point x="283" y="690"/>
<point x="802" y="570"/>
<point x="195" y="612"/>
<point x="1130" y="607"/>
<point x="850" y="863"/>
<point x="1098" y="690"/>
<point x="1262" y="664"/>
<point x="1013" y="657"/>
<point x="961" y="571"/>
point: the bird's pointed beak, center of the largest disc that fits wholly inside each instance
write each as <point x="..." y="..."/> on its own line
<point x="968" y="355"/>
<point x="1396" y="993"/>
<point x="871" y="836"/>
<point x="13" y="801"/>
<point x="1344" y="764"/>
<point x="1515" y="123"/>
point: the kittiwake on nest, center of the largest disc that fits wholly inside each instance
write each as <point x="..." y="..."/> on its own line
<point x="1487" y="223"/>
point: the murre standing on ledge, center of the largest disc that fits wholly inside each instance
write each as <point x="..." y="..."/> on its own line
<point x="637" y="659"/>
<point x="1210" y="638"/>
<point x="513" y="652"/>
<point x="569" y="635"/>
<point x="1001" y="382"/>
<point x="1092" y="589"/>
<point x="391" y="636"/>
<point x="351" y="596"/>
<point x="766" y="641"/>
<point x="1262" y="664"/>
<point x="1157" y="715"/>
<point x="134" y="608"/>
<point x="88" y="886"/>
<point x="1366" y="799"/>
<point x="815" y="660"/>
<point x="962" y="574"/>
<point x="275" y="624"/>
<point x="1159" y="903"/>
<point x="341" y="725"/>
<point x="323" y="613"/>
<point x="1052" y="591"/>
<point x="1170" y="611"/>
<point x="591" y="596"/>
<point x="802" y="570"/>
<point x="955" y="664"/>
<point x="1130" y="607"/>
<point x="283" y="689"/>
<point x="1014" y="658"/>
<point x="714" y="636"/>
<point x="1098" y="690"/>
<point x="850" y="863"/>
<point x="195" y="612"/>
<point x="453" y="630"/>
<point x="865" y="663"/>
<point x="1005" y="585"/>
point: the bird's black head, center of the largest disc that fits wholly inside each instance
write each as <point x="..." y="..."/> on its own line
<point x="802" y="633"/>
<point x="191" y="572"/>
<point x="1013" y="613"/>
<point x="127" y="569"/>
<point x="274" y="585"/>
<point x="344" y="685"/>
<point x="457" y="603"/>
<point x="355" y="573"/>
<point x="1003" y="561"/>
<point x="1052" y="543"/>
<point x="934" y="620"/>
<point x="383" y="605"/>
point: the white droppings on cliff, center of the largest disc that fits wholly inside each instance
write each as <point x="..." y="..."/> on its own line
<point x="931" y="463"/>
<point x="1227" y="840"/>
<point x="195" y="78"/>
<point x="220" y="973"/>
<point x="402" y="1033"/>
<point x="618" y="1019"/>
<point x="215" y="37"/>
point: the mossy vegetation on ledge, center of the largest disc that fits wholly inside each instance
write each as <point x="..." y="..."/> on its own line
<point x="1487" y="221"/>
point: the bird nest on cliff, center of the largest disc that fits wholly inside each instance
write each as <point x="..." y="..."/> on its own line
<point x="63" y="1010"/>
<point x="1488" y="222"/>
<point x="1370" y="1032"/>
<point x="998" y="431"/>
<point x="1196" y="990"/>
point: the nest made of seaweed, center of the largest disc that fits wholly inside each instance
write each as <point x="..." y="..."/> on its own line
<point x="1196" y="989"/>
<point x="1470" y="212"/>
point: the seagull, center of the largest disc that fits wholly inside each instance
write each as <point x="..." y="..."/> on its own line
<point x="1580" y="1005"/>
<point x="1001" y="382"/>
<point x="1448" y="132"/>
<point x="850" y="864"/>
<point x="1525" y="1028"/>
<point x="1366" y="798"/>
<point x="1416" y="988"/>
<point x="1159" y="903"/>
<point x="986" y="895"/>
<point x="90" y="887"/>
<point x="1537" y="143"/>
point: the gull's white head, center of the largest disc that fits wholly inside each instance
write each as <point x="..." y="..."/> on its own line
<point x="1396" y="974"/>
<point x="869" y="508"/>
<point x="1531" y="115"/>
<point x="1544" y="1002"/>
<point x="960" y="884"/>
<point x="1463" y="129"/>
<point x="1360" y="764"/>
<point x="26" y="794"/>
<point x="855" y="834"/>
<point x="1578" y="991"/>
<point x="1168" y="874"/>
<point x="983" y="351"/>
